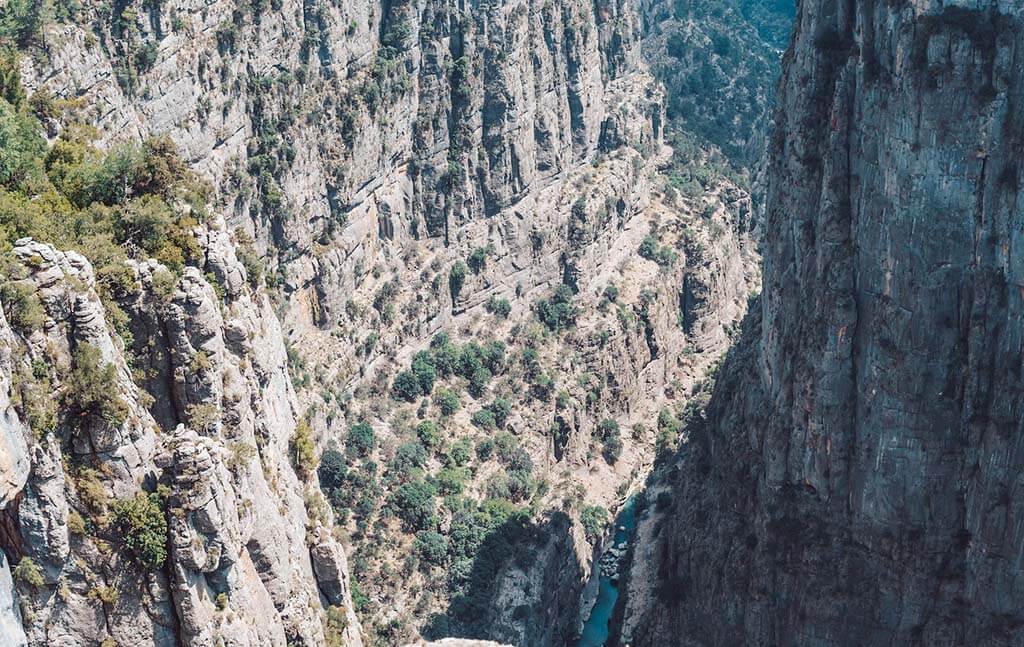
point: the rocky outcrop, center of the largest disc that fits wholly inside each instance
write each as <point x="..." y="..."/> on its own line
<point x="212" y="442"/>
<point x="857" y="480"/>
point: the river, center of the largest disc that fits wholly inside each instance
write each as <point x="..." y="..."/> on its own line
<point x="595" y="629"/>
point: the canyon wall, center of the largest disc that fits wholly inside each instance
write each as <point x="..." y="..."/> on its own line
<point x="855" y="481"/>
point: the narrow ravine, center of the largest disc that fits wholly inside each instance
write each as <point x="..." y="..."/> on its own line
<point x="595" y="629"/>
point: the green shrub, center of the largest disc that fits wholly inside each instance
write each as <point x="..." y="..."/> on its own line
<point x="456" y="279"/>
<point x="105" y="594"/>
<point x="429" y="434"/>
<point x="664" y="256"/>
<point x="204" y="418"/>
<point x="359" y="599"/>
<point x="26" y="571"/>
<point x="24" y="147"/>
<point x="505" y="444"/>
<point x="360" y="440"/>
<point x="446" y="355"/>
<point x="21" y="21"/>
<point x="414" y="504"/>
<point x="611" y="293"/>
<point x="501" y="408"/>
<point x="91" y="490"/>
<point x="669" y="428"/>
<point x="648" y="247"/>
<point x="543" y="387"/>
<point x="484" y="419"/>
<point x="451" y="480"/>
<point x="408" y="457"/>
<point x="334" y="628"/>
<point x="93" y="387"/>
<point x="494" y="415"/>
<point x="447" y="401"/>
<point x="332" y="471"/>
<point x="612" y="449"/>
<point x="530" y="360"/>
<point x="498" y="307"/>
<point x="610" y="435"/>
<point x="432" y="547"/>
<point x="143" y="527"/>
<point x="407" y="387"/>
<point x="22" y="307"/>
<point x="594" y="519"/>
<point x="385" y="296"/>
<point x="303" y="449"/>
<point x="76" y="523"/>
<point x="494" y="356"/>
<point x="354" y="490"/>
<point x="558" y="312"/>
<point x="425" y="371"/>
<point x="459" y="453"/>
<point x="477" y="260"/>
<point x="137" y="198"/>
<point x="471" y="359"/>
<point x="478" y="382"/>
<point x="562" y="400"/>
<point x="461" y="81"/>
<point x="485" y="449"/>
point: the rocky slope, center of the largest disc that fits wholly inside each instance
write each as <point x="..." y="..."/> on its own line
<point x="363" y="155"/>
<point x="719" y="61"/>
<point x="855" y="481"/>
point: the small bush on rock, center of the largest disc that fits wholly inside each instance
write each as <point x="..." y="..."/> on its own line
<point x="26" y="571"/>
<point x="361" y="439"/>
<point x="93" y="387"/>
<point x="447" y="401"/>
<point x="143" y="527"/>
<point x="406" y="386"/>
<point x="594" y="518"/>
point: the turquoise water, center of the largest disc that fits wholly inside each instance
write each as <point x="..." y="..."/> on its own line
<point x="595" y="630"/>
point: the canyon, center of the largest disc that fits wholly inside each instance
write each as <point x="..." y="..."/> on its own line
<point x="345" y="322"/>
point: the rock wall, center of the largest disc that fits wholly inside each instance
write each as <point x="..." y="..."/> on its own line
<point x="856" y="482"/>
<point x="246" y="565"/>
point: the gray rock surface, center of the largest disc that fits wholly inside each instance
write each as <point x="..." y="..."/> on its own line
<point x="238" y="570"/>
<point x="11" y="632"/>
<point x="858" y="478"/>
<point x="14" y="458"/>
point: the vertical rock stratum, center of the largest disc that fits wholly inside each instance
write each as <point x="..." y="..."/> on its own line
<point x="857" y="480"/>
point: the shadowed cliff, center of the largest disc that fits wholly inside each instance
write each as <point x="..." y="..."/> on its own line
<point x="858" y="482"/>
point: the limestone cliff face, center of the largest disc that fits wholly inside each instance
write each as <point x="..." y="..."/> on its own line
<point x="246" y="564"/>
<point x="340" y="137"/>
<point x="858" y="478"/>
<point x="321" y="121"/>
